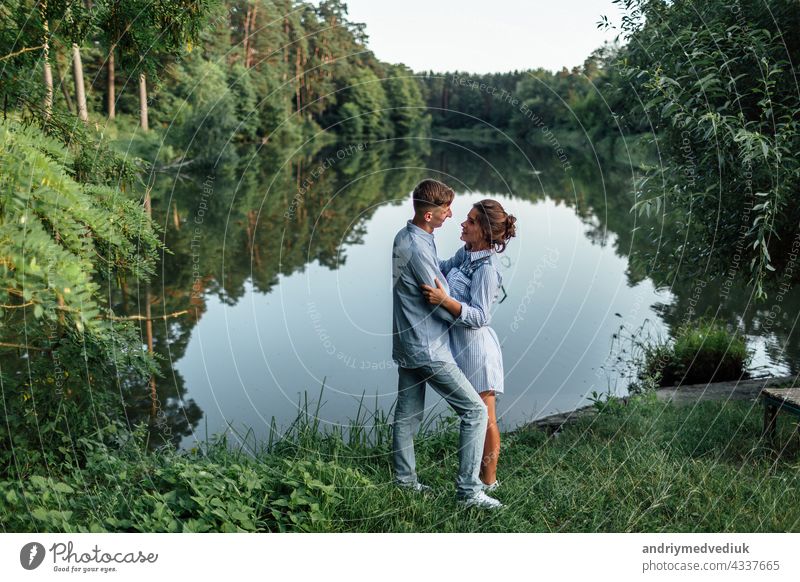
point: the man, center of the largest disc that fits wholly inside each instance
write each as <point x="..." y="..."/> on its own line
<point x="422" y="351"/>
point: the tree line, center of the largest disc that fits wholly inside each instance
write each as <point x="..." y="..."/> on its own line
<point x="520" y="103"/>
<point x="268" y="67"/>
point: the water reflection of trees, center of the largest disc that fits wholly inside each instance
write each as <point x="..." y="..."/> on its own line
<point x="246" y="225"/>
<point x="594" y="184"/>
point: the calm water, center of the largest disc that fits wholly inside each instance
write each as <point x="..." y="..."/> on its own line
<point x="284" y="265"/>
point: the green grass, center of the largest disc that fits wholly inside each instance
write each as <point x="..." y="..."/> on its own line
<point x="645" y="466"/>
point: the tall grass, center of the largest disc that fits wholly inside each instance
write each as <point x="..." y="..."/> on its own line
<point x="643" y="466"/>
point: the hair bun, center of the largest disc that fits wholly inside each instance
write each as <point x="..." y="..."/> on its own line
<point x="496" y="224"/>
<point x="511" y="229"/>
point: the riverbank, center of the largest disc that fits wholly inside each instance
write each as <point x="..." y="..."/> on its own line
<point x="680" y="395"/>
<point x="646" y="464"/>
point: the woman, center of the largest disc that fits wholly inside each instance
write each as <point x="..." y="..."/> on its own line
<point x="474" y="279"/>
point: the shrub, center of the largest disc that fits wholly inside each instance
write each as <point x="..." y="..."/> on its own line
<point x="129" y="489"/>
<point x="700" y="352"/>
<point x="728" y="172"/>
<point x="66" y="228"/>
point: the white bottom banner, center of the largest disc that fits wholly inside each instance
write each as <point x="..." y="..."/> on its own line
<point x="389" y="557"/>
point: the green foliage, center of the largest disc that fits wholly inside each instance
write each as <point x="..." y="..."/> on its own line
<point x="408" y="115"/>
<point x="22" y="37"/>
<point x="53" y="228"/>
<point x="234" y="71"/>
<point x="201" y="116"/>
<point x="126" y="489"/>
<point x="699" y="352"/>
<point x="145" y="32"/>
<point x="524" y="103"/>
<point x="365" y="112"/>
<point x="245" y="98"/>
<point x="718" y="85"/>
<point x="59" y="240"/>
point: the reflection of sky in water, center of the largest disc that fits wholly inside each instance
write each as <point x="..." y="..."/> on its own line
<point x="249" y="362"/>
<point x="762" y="364"/>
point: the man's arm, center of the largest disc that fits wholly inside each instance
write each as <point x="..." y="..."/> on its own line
<point x="424" y="270"/>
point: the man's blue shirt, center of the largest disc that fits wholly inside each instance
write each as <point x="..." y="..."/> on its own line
<point x="419" y="329"/>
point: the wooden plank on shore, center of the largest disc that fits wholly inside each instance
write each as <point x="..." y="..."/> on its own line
<point x="679" y="395"/>
<point x="733" y="390"/>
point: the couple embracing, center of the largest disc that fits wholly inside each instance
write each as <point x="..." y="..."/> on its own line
<point x="441" y="336"/>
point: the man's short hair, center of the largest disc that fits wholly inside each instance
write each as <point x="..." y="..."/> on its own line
<point x="430" y="193"/>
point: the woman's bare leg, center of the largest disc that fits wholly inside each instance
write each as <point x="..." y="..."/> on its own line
<point x="491" y="446"/>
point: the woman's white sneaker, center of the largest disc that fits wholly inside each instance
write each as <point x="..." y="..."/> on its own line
<point x="481" y="500"/>
<point x="491" y="486"/>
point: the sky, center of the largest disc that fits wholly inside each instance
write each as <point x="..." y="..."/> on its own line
<point x="482" y="36"/>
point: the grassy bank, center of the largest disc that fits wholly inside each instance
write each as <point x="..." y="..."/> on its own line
<point x="645" y="466"/>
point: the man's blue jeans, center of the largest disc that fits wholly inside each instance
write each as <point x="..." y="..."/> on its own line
<point x="453" y="386"/>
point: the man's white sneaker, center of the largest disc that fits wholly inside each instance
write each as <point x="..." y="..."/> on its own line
<point x="481" y="500"/>
<point x="416" y="487"/>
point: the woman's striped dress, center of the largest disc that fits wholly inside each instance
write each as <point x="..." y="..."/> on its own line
<point x="474" y="280"/>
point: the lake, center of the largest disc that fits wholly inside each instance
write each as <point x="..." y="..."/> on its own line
<point x="282" y="265"/>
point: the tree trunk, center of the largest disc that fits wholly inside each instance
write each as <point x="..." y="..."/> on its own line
<point x="248" y="57"/>
<point x="110" y="94"/>
<point x="298" y="78"/>
<point x="48" y="72"/>
<point x="80" y="91"/>
<point x="63" y="83"/>
<point x="285" y="46"/>
<point x="149" y="329"/>
<point x="246" y="38"/>
<point x="48" y="79"/>
<point x="143" y="102"/>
